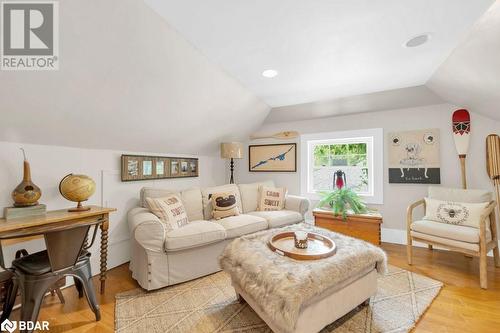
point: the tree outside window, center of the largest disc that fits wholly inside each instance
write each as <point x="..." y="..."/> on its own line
<point x="352" y="158"/>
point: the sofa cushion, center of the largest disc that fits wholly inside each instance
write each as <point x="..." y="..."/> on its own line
<point x="194" y="234"/>
<point x="448" y="231"/>
<point x="243" y="224"/>
<point x="192" y="203"/>
<point x="169" y="210"/>
<point x="153" y="192"/>
<point x="191" y="199"/>
<point x="250" y="195"/>
<point x="224" y="205"/>
<point x="206" y="195"/>
<point x="279" y="218"/>
<point x="271" y="198"/>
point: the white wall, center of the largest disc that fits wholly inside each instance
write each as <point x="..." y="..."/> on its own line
<point x="49" y="164"/>
<point x="470" y="75"/>
<point x="396" y="196"/>
<point x="126" y="81"/>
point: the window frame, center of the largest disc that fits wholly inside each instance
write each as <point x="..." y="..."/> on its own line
<point x="374" y="140"/>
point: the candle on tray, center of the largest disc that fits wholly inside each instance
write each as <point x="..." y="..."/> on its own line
<point x="300" y="238"/>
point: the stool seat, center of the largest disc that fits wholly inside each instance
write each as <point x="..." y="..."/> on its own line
<point x="38" y="263"/>
<point x="33" y="264"/>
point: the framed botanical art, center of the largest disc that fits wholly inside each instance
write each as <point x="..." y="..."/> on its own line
<point x="138" y="167"/>
<point x="272" y="158"/>
<point x="414" y="157"/>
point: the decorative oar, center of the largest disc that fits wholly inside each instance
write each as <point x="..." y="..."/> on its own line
<point x="493" y="162"/>
<point x="461" y="134"/>
<point x="280" y="135"/>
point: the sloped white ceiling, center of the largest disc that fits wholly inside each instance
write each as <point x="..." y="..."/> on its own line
<point x="379" y="101"/>
<point x="470" y="77"/>
<point x="126" y="81"/>
<point x="323" y="49"/>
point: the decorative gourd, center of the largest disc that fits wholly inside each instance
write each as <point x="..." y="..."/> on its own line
<point x="26" y="193"/>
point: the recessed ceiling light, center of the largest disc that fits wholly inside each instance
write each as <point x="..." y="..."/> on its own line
<point x="270" y="73"/>
<point x="418" y="40"/>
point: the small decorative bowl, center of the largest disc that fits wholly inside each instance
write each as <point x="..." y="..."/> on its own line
<point x="300" y="238"/>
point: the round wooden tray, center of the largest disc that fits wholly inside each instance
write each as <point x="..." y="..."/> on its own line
<point x="318" y="246"/>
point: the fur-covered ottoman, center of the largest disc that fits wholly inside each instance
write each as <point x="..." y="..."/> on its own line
<point x="294" y="296"/>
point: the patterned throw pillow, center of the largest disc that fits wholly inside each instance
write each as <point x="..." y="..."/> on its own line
<point x="169" y="210"/>
<point x="224" y="205"/>
<point x="271" y="198"/>
<point x="459" y="213"/>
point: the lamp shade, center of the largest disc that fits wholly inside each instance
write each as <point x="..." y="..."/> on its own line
<point x="231" y="150"/>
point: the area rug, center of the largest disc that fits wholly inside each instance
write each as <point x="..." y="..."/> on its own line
<point x="209" y="304"/>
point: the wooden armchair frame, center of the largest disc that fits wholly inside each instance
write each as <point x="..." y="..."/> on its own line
<point x="484" y="246"/>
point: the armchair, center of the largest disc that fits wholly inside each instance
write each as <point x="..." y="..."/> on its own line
<point x="465" y="239"/>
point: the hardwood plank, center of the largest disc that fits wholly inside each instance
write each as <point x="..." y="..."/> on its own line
<point x="461" y="306"/>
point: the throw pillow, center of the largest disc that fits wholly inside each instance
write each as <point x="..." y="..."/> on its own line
<point x="224" y="205"/>
<point x="169" y="210"/>
<point x="460" y="213"/>
<point x="271" y="198"/>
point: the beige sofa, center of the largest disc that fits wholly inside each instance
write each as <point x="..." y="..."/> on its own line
<point x="160" y="258"/>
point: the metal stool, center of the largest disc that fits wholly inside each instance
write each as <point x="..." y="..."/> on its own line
<point x="36" y="273"/>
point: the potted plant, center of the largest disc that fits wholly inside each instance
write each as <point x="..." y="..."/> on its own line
<point x="342" y="199"/>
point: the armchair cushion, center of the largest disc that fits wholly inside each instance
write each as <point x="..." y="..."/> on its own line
<point x="457" y="213"/>
<point x="459" y="195"/>
<point x="446" y="241"/>
<point x="448" y="231"/>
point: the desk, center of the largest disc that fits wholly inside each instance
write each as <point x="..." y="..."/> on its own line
<point x="362" y="226"/>
<point x="58" y="220"/>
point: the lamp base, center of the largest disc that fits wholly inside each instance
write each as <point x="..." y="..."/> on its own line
<point x="231" y="167"/>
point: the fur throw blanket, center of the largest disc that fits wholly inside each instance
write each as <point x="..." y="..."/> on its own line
<point x="281" y="284"/>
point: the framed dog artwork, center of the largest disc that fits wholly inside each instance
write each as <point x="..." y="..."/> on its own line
<point x="414" y="157"/>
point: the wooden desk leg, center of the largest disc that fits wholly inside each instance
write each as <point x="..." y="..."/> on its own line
<point x="104" y="252"/>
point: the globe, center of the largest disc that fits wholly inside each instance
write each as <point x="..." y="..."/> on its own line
<point x="77" y="188"/>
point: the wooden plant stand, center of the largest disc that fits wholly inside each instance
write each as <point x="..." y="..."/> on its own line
<point x="362" y="226"/>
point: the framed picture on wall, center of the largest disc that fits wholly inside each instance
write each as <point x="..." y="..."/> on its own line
<point x="193" y="167"/>
<point x="174" y="168"/>
<point x="138" y="167"/>
<point x="184" y="167"/>
<point x="414" y="157"/>
<point x="272" y="158"/>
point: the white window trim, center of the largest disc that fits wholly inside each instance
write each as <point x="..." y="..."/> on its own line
<point x="375" y="135"/>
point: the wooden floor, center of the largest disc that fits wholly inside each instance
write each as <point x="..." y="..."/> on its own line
<point x="461" y="305"/>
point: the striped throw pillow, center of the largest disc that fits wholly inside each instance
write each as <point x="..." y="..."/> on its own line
<point x="169" y="210"/>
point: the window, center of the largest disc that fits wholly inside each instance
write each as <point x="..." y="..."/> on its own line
<point x="347" y="156"/>
<point x="354" y="156"/>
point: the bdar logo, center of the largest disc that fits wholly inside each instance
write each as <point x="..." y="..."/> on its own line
<point x="29" y="35"/>
<point x="8" y="326"/>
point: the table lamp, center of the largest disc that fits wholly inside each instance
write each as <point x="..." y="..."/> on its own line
<point x="231" y="150"/>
